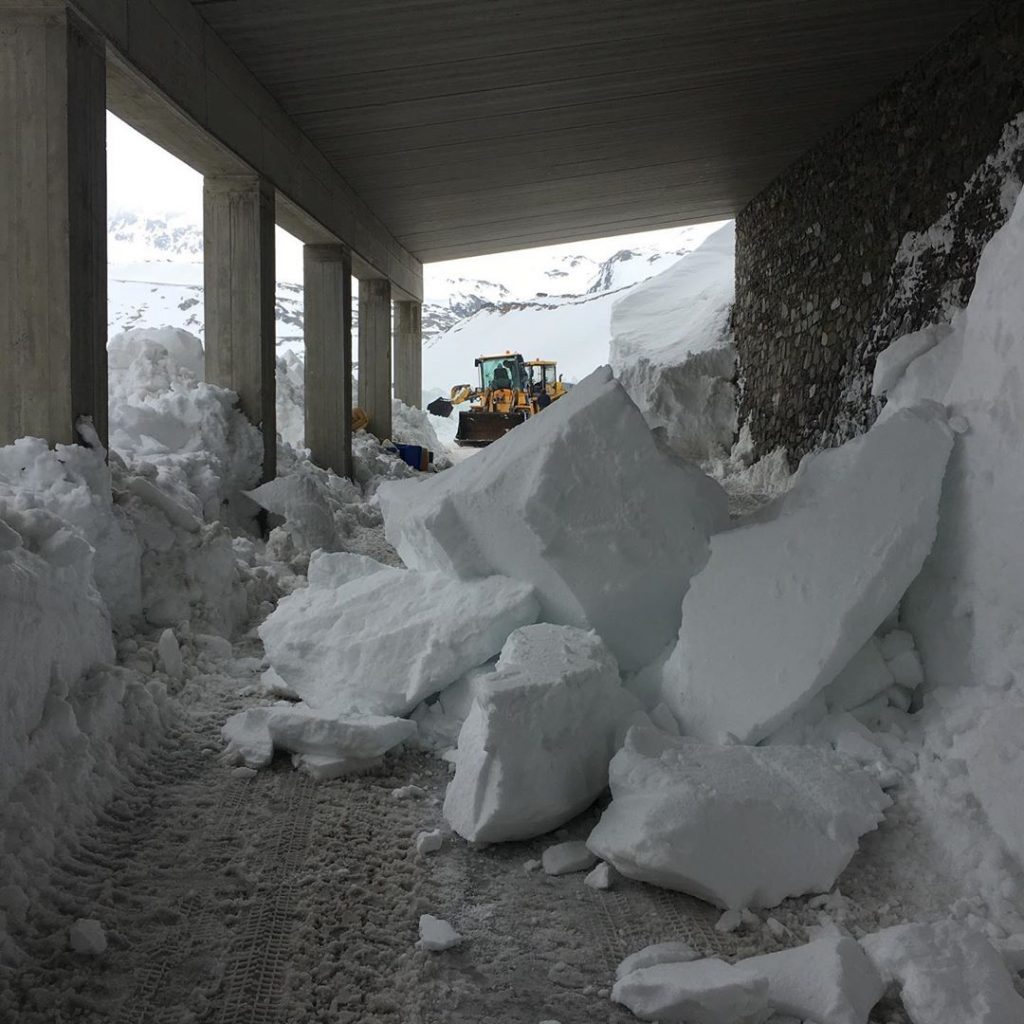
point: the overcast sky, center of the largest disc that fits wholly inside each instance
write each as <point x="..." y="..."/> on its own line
<point x="143" y="178"/>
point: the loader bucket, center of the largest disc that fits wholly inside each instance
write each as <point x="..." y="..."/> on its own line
<point x="477" y="429"/>
<point x="440" y="407"/>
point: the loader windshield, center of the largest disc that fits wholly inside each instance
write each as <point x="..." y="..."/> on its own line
<point x="502" y="372"/>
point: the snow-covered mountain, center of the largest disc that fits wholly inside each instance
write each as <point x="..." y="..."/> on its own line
<point x="554" y="302"/>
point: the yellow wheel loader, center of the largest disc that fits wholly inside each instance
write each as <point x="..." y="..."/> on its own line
<point x="510" y="390"/>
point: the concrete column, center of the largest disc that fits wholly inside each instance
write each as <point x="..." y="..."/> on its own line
<point x="409" y="353"/>
<point x="327" y="325"/>
<point x="238" y="272"/>
<point x="53" y="231"/>
<point x="375" y="354"/>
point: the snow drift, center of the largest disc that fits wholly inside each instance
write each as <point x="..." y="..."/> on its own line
<point x="672" y="349"/>
<point x="579" y="502"/>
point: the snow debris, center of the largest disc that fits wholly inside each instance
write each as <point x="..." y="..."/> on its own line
<point x="811" y="601"/>
<point x="330" y="744"/>
<point x="534" y="749"/>
<point x="700" y="992"/>
<point x="673" y="351"/>
<point x="946" y="974"/>
<point x="567" y="858"/>
<point x="737" y="826"/>
<point x="437" y="935"/>
<point x="429" y="842"/>
<point x="170" y="654"/>
<point x="829" y="979"/>
<point x="585" y="477"/>
<point x="659" y="953"/>
<point x="87" y="936"/>
<point x="600" y="878"/>
<point x="377" y="640"/>
<point x="532" y="865"/>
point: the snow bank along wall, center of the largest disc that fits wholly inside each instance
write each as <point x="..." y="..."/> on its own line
<point x="844" y="252"/>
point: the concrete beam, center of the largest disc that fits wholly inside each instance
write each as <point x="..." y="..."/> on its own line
<point x="238" y="273"/>
<point x="327" y="326"/>
<point x="409" y="353"/>
<point x="53" y="243"/>
<point x="174" y="79"/>
<point x="375" y="354"/>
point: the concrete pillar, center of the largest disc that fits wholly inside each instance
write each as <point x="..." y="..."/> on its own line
<point x="53" y="231"/>
<point x="409" y="353"/>
<point x="327" y="325"/>
<point x="238" y="272"/>
<point x="375" y="354"/>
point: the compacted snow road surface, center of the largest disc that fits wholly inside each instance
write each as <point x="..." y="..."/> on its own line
<point x="241" y="898"/>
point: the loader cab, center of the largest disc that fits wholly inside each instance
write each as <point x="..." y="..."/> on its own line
<point x="502" y="372"/>
<point x="543" y="375"/>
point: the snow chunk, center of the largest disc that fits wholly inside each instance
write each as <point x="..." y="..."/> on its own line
<point x="600" y="878"/>
<point x="87" y="936"/>
<point x="864" y="678"/>
<point x="947" y="975"/>
<point x="673" y="351"/>
<point x="701" y="992"/>
<point x="567" y="858"/>
<point x="379" y="643"/>
<point x="170" y="654"/>
<point x="659" y="953"/>
<point x="436" y="935"/>
<point x="809" y="581"/>
<point x="737" y="826"/>
<point x="569" y="501"/>
<point x="429" y="842"/>
<point x="534" y="749"/>
<point x="829" y="979"/>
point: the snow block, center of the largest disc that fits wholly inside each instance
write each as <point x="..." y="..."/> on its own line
<point x="580" y="503"/>
<point x="808" y="583"/>
<point x="701" y="992"/>
<point x="534" y="749"/>
<point x="370" y="639"/>
<point x="946" y="974"/>
<point x="830" y="979"/>
<point x="658" y="953"/>
<point x="736" y="826"/>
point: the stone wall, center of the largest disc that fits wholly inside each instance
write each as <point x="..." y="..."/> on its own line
<point x="875" y="232"/>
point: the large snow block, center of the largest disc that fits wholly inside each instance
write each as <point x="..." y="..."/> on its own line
<point x="736" y="826"/>
<point x="784" y="604"/>
<point x="579" y="502"/>
<point x="365" y="638"/>
<point x="946" y="974"/>
<point x="534" y="749"/>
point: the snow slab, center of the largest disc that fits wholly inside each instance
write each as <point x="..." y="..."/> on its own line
<point x="253" y="736"/>
<point x="809" y="581"/>
<point x="371" y="639"/>
<point x="437" y="935"/>
<point x="946" y="974"/>
<point x="736" y="826"/>
<point x="534" y="749"/>
<point x="658" y="953"/>
<point x="830" y="979"/>
<point x="567" y="858"/>
<point x="568" y="501"/>
<point x="673" y="351"/>
<point x="701" y="992"/>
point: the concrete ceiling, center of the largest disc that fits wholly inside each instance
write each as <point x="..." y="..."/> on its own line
<point x="476" y="126"/>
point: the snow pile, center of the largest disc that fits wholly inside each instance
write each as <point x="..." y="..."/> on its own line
<point x="672" y="349"/>
<point x="580" y="503"/>
<point x="534" y="750"/>
<point x="946" y="974"/>
<point x="736" y="826"/>
<point x="193" y="439"/>
<point x="829" y="979"/>
<point x="371" y="639"/>
<point x="325" y="746"/>
<point x="808" y="581"/>
<point x="291" y="399"/>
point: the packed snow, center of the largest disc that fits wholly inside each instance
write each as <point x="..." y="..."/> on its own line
<point x="737" y="826"/>
<point x="568" y="501"/>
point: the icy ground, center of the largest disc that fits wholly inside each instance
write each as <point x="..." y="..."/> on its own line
<point x="233" y="896"/>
